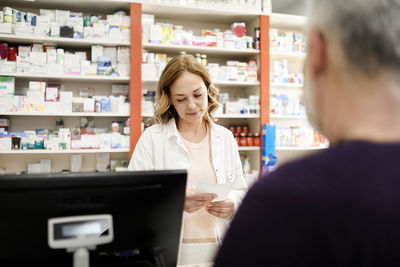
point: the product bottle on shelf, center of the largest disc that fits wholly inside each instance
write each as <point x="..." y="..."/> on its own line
<point x="246" y="166"/>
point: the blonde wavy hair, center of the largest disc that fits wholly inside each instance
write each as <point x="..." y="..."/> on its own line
<point x="164" y="110"/>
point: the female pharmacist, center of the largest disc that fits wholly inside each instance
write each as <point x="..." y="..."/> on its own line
<point x="186" y="137"/>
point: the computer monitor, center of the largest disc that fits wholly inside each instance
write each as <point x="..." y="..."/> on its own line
<point x="146" y="207"/>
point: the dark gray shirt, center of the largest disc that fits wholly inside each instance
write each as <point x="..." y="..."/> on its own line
<point x="340" y="207"/>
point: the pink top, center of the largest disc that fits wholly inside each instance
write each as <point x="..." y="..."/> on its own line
<point x="199" y="226"/>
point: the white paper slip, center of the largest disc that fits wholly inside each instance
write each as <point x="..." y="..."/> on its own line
<point x="222" y="190"/>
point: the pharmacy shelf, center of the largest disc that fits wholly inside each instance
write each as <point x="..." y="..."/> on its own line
<point x="65" y="42"/>
<point x="147" y="115"/>
<point x="283" y="90"/>
<point x="191" y="12"/>
<point x="60" y="114"/>
<point x="200" y="49"/>
<point x="66" y="77"/>
<point x="87" y="6"/>
<point x="249" y="148"/>
<point x="287" y="117"/>
<point x="149" y="81"/>
<point x="288" y="56"/>
<point x="300" y="148"/>
<point x="232" y="83"/>
<point x="217" y="83"/>
<point x="286" y="85"/>
<point x="237" y="116"/>
<point x="223" y="116"/>
<point x="289" y="22"/>
<point x="77" y="151"/>
<point x="179" y="10"/>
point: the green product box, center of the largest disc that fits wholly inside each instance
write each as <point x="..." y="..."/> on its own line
<point x="7" y="85"/>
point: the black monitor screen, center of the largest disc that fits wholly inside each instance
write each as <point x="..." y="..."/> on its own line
<point x="146" y="207"/>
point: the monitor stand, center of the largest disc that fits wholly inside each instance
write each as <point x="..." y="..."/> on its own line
<point x="81" y="258"/>
<point x="78" y="234"/>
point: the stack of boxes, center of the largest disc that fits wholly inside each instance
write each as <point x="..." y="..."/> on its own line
<point x="64" y="23"/>
<point x="46" y="59"/>
<point x="287" y="42"/>
<point x="7" y="86"/>
<point x="35" y="95"/>
<point x="298" y="136"/>
<point x="51" y="98"/>
<point x="84" y="137"/>
<point x="167" y="33"/>
<point x="287" y="105"/>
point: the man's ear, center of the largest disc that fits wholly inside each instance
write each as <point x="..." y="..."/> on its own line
<point x="318" y="53"/>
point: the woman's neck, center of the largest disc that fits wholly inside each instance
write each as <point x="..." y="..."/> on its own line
<point x="193" y="132"/>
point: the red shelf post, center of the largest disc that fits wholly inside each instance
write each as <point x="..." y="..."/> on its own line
<point x="135" y="84"/>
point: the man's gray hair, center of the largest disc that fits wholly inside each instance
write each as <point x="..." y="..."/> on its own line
<point x="367" y="30"/>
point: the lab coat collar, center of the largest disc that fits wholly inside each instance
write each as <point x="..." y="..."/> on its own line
<point x="171" y="129"/>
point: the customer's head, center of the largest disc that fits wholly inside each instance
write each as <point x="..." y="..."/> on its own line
<point x="185" y="92"/>
<point x="352" y="44"/>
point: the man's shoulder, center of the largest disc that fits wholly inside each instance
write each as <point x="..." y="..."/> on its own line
<point x="349" y="157"/>
<point x="316" y="161"/>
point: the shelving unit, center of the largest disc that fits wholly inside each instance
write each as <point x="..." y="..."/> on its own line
<point x="65" y="42"/>
<point x="224" y="116"/>
<point x="295" y="61"/>
<point x="292" y="89"/>
<point x="73" y="114"/>
<point x="237" y="84"/>
<point x="198" y="13"/>
<point x="72" y="151"/>
<point x="286" y="85"/>
<point x="197" y="18"/>
<point x="17" y="160"/>
<point x="199" y="49"/>
<point x="217" y="83"/>
<point x="300" y="148"/>
<point x="192" y="17"/>
<point x="249" y="148"/>
<point x="288" y="56"/>
<point x="64" y="77"/>
<point x="287" y="117"/>
<point x="244" y="116"/>
<point x="147" y="115"/>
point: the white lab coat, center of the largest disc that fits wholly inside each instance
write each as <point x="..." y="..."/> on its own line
<point x="161" y="148"/>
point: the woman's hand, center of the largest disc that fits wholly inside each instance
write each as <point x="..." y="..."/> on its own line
<point x="221" y="209"/>
<point x="195" y="201"/>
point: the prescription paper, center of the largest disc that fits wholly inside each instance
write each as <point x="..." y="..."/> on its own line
<point x="222" y="190"/>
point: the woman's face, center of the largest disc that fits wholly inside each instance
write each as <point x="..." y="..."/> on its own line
<point x="189" y="97"/>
